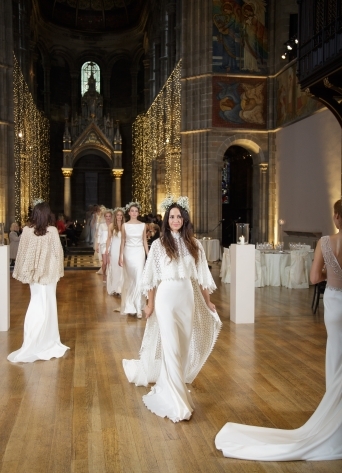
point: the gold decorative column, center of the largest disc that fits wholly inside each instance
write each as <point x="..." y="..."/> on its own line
<point x="116" y="193"/>
<point x="67" y="172"/>
<point x="263" y="201"/>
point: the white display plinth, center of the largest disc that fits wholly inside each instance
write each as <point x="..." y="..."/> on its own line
<point x="242" y="284"/>
<point x="5" y="288"/>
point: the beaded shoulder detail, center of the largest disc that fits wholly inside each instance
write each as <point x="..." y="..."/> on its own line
<point x="329" y="257"/>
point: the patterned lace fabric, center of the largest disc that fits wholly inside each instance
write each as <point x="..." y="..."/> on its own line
<point x="158" y="267"/>
<point x="206" y="327"/>
<point x="40" y="258"/>
<point x="334" y="271"/>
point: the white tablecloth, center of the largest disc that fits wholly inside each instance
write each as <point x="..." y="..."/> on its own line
<point x="275" y="267"/>
<point x="212" y="249"/>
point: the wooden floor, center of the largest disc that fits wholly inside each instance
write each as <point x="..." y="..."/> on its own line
<point x="79" y="413"/>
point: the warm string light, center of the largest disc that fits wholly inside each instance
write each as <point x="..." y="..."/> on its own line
<point x="31" y="148"/>
<point x="156" y="134"/>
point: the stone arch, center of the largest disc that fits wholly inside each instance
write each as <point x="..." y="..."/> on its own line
<point x="260" y="179"/>
<point x="246" y="141"/>
<point x="93" y="149"/>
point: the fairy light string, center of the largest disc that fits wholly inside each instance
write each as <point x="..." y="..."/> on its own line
<point x="156" y="135"/>
<point x="31" y="148"/>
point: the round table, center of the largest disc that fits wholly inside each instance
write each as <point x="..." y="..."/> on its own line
<point x="211" y="248"/>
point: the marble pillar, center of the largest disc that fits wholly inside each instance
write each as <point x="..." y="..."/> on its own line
<point x="67" y="172"/>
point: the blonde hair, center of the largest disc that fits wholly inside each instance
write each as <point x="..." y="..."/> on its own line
<point x="115" y="222"/>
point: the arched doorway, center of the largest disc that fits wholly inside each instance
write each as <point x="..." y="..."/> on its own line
<point x="237" y="191"/>
<point x="91" y="184"/>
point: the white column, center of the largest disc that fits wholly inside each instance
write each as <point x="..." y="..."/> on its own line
<point x="5" y="288"/>
<point x="242" y="284"/>
<point x="263" y="202"/>
<point x="67" y="191"/>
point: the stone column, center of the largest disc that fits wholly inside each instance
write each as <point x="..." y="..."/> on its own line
<point x="67" y="172"/>
<point x="263" y="168"/>
<point x="74" y="92"/>
<point x="7" y="167"/>
<point x="146" y="63"/>
<point x="47" y="69"/>
<point x="134" y="75"/>
<point x="116" y="195"/>
<point x="106" y="92"/>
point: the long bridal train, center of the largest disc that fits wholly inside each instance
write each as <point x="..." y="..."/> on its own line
<point x="320" y="438"/>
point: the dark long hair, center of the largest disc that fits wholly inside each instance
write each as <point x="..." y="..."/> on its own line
<point x="41" y="218"/>
<point x="338" y="208"/>
<point x="186" y="232"/>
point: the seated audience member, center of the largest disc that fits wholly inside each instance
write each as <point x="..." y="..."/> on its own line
<point x="159" y="220"/>
<point x="66" y="228"/>
<point x="153" y="233"/>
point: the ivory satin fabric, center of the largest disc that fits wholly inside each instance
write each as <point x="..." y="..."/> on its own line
<point x="174" y="308"/>
<point x="133" y="266"/>
<point x="41" y="334"/>
<point x="114" y="271"/>
<point x="320" y="438"/>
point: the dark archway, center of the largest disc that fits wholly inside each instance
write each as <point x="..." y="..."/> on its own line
<point x="237" y="191"/>
<point x="91" y="183"/>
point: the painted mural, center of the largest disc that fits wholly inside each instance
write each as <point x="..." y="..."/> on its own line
<point x="292" y="103"/>
<point x="239" y="103"/>
<point x="240" y="36"/>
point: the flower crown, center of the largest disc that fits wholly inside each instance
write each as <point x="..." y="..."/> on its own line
<point x="37" y="201"/>
<point x="182" y="201"/>
<point x="122" y="209"/>
<point x="132" y="204"/>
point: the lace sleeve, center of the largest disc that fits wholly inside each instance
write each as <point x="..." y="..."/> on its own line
<point x="204" y="277"/>
<point x="152" y="270"/>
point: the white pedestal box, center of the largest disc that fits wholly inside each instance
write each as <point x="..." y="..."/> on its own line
<point x="242" y="284"/>
<point x="4" y="288"/>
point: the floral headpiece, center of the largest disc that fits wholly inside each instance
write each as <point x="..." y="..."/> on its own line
<point x="132" y="204"/>
<point x="122" y="209"/>
<point x="182" y="201"/>
<point x="37" y="201"/>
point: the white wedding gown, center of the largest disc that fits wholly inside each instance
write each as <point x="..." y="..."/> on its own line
<point x="41" y="334"/>
<point x="320" y="438"/>
<point x="133" y="266"/>
<point x="114" y="271"/>
<point x="179" y="335"/>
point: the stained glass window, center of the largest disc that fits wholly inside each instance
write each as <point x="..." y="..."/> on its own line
<point x="86" y="70"/>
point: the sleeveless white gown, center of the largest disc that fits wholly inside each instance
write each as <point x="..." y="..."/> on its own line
<point x="320" y="438"/>
<point x="114" y="271"/>
<point x="133" y="266"/>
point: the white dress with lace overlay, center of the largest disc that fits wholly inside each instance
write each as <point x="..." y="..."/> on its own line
<point x="180" y="333"/>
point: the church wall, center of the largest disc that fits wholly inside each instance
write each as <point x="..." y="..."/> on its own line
<point x="6" y="116"/>
<point x="308" y="160"/>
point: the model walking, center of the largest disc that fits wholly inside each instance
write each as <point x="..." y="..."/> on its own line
<point x="133" y="251"/>
<point x="182" y="324"/>
<point x="39" y="263"/>
<point x="102" y="236"/>
<point x="114" y="271"/>
<point x="320" y="438"/>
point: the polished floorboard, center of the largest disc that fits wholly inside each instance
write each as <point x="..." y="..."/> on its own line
<point x="80" y="414"/>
